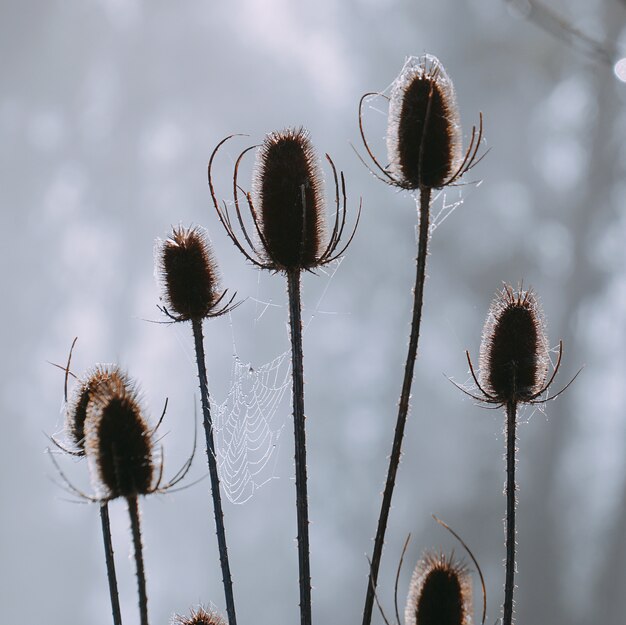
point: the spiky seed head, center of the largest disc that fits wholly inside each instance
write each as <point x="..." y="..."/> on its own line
<point x="424" y="134"/>
<point x="87" y="386"/>
<point x="440" y="592"/>
<point x="199" y="617"/>
<point x="514" y="353"/>
<point x="290" y="201"/>
<point x="188" y="274"/>
<point x="118" y="441"/>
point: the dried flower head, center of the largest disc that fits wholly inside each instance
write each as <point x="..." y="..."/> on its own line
<point x="86" y="387"/>
<point x="119" y="442"/>
<point x="199" y="617"/>
<point x="514" y="353"/>
<point x="424" y="134"/>
<point x="287" y="205"/>
<point x="440" y="592"/>
<point x="188" y="275"/>
<point x="288" y="194"/>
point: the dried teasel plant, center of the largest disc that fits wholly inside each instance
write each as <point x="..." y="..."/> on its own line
<point x="87" y="387"/>
<point x="286" y="206"/>
<point x="425" y="153"/>
<point x="440" y="592"/>
<point x="187" y="272"/>
<point x="75" y="409"/>
<point x="514" y="369"/>
<point x="287" y="212"/>
<point x="120" y="447"/>
<point x="188" y="276"/>
<point x="200" y="616"/>
<point x="424" y="143"/>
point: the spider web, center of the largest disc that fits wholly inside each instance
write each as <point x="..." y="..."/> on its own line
<point x="247" y="429"/>
<point x="248" y="423"/>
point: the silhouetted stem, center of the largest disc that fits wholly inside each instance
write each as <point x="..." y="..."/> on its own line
<point x="302" y="501"/>
<point x="403" y="407"/>
<point x="509" y="583"/>
<point x="135" y="526"/>
<point x="110" y="562"/>
<point x="215" y="480"/>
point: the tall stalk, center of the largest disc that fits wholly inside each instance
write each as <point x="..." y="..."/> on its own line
<point x="110" y="563"/>
<point x="215" y="480"/>
<point x="135" y="526"/>
<point x="403" y="406"/>
<point x="302" y="509"/>
<point x="509" y="575"/>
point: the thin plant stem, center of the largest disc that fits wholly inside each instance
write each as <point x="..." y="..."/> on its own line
<point x="110" y="563"/>
<point x="302" y="501"/>
<point x="509" y="576"/>
<point x="135" y="526"/>
<point x="403" y="406"/>
<point x="215" y="480"/>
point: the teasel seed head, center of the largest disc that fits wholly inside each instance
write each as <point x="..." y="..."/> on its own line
<point x="87" y="386"/>
<point x="286" y="206"/>
<point x="289" y="199"/>
<point x="118" y="441"/>
<point x="188" y="275"/>
<point x="424" y="135"/>
<point x="199" y="617"/>
<point x="440" y="592"/>
<point x="514" y="353"/>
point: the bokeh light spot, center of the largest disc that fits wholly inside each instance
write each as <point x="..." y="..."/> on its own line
<point x="620" y="69"/>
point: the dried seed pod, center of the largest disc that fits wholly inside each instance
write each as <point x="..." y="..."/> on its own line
<point x="86" y="387"/>
<point x="514" y="353"/>
<point x="424" y="135"/>
<point x="118" y="441"/>
<point x="289" y="199"/>
<point x="440" y="592"/>
<point x="199" y="617"/>
<point x="188" y="275"/>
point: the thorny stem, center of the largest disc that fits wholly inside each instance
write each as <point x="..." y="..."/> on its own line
<point x="135" y="526"/>
<point x="110" y="562"/>
<point x="302" y="502"/>
<point x="403" y="407"/>
<point x="509" y="583"/>
<point x="215" y="480"/>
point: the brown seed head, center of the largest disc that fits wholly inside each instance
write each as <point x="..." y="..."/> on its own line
<point x="290" y="201"/>
<point x="188" y="274"/>
<point x="440" y="592"/>
<point x="424" y="136"/>
<point x="199" y="617"/>
<point x="86" y="388"/>
<point x="118" y="441"/>
<point x="514" y="351"/>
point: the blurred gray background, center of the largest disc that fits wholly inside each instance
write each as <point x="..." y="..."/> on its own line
<point x="109" y="110"/>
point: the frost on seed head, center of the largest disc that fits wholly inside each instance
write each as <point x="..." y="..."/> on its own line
<point x="289" y="198"/>
<point x="514" y="353"/>
<point x="424" y="136"/>
<point x="440" y="592"/>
